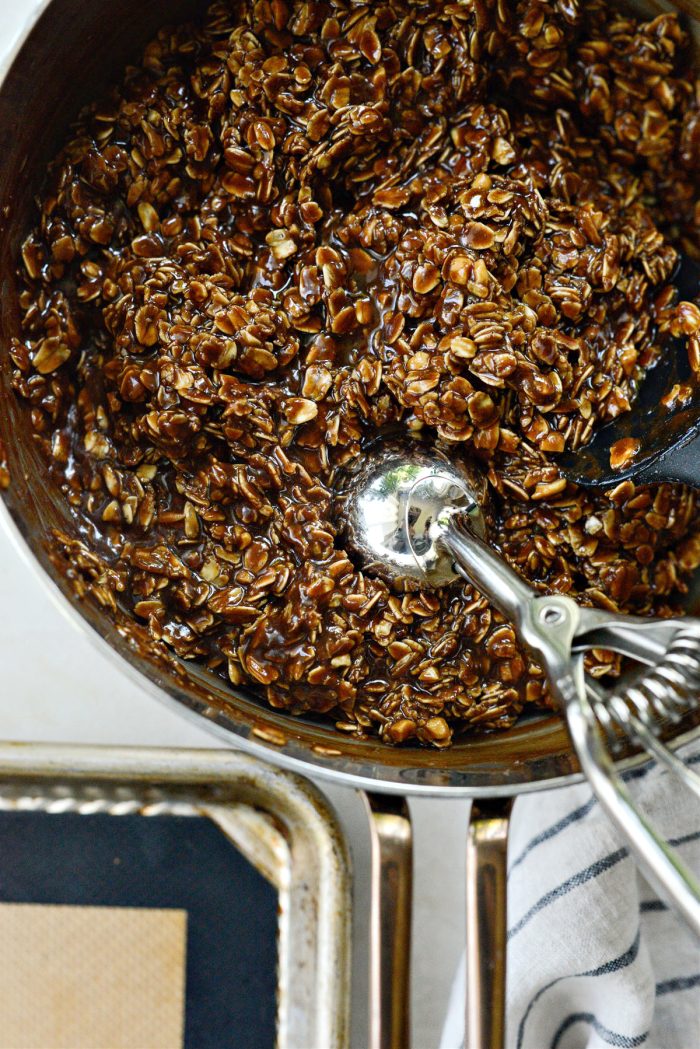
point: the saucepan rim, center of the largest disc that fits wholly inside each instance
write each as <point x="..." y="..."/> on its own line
<point x="534" y="753"/>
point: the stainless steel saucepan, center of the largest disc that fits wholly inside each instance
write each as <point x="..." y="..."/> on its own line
<point x="72" y="52"/>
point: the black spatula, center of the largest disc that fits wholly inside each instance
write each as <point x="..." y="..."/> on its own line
<point x="668" y="438"/>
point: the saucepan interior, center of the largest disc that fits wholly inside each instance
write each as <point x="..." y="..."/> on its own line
<point x="72" y="53"/>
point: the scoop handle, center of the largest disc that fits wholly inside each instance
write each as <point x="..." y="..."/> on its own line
<point x="548" y="627"/>
<point x="662" y="867"/>
<point x="481" y="566"/>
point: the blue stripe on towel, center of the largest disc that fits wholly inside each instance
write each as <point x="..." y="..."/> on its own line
<point x="581" y="811"/>
<point x="551" y="832"/>
<point x="580" y="878"/>
<point x="679" y="983"/>
<point x="624" y="1041"/>
<point x="611" y="966"/>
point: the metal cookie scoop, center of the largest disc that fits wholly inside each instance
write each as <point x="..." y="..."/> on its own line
<point x="414" y="518"/>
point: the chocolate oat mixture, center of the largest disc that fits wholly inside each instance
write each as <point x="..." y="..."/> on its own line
<point x="299" y="224"/>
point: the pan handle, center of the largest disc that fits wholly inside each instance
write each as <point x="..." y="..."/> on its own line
<point x="487" y="847"/>
<point x="390" y="920"/>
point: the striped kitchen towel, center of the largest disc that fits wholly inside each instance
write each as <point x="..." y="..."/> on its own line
<point x="595" y="958"/>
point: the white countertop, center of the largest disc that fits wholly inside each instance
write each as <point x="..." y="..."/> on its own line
<point x="57" y="687"/>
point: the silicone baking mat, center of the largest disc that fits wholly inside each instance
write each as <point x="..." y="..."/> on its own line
<point x="142" y="934"/>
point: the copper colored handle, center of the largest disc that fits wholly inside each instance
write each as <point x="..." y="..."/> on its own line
<point x="487" y="846"/>
<point x="390" y="921"/>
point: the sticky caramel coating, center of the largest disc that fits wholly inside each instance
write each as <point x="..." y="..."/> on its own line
<point x="297" y="225"/>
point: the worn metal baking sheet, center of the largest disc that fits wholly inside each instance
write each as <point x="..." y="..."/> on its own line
<point x="277" y="821"/>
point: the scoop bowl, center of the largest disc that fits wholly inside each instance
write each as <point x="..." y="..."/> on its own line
<point x="394" y="504"/>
